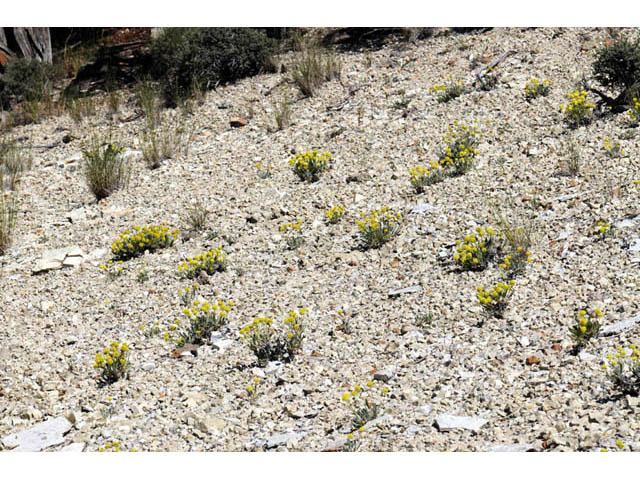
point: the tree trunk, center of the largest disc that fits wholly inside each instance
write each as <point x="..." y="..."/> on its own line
<point x="32" y="42"/>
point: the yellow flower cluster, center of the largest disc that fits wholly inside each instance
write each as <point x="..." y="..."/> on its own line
<point x="495" y="300"/>
<point x="535" y="88"/>
<point x="133" y="244"/>
<point x="267" y="345"/>
<point x="578" y="111"/>
<point x="460" y="141"/>
<point x="293" y="226"/>
<point x="112" y="362"/>
<point x="475" y="251"/>
<point x="113" y="446"/>
<point x="634" y="114"/>
<point x="444" y="93"/>
<point x="586" y="327"/>
<point x="378" y="227"/>
<point x="309" y="165"/>
<point x="335" y="213"/>
<point x="603" y="229"/>
<point x="210" y="262"/>
<point x="202" y="319"/>
<point x="612" y="150"/>
<point x="421" y="177"/>
<point x="110" y="270"/>
<point x="517" y="261"/>
<point x="624" y="370"/>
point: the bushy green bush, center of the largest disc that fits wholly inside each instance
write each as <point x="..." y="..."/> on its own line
<point x="25" y="79"/>
<point x="187" y="59"/>
<point x="617" y="66"/>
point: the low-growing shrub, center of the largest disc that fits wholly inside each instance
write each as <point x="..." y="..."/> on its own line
<point x="377" y="228"/>
<point x="268" y="344"/>
<point x="624" y="370"/>
<point x="585" y="328"/>
<point x="188" y="59"/>
<point x="515" y="263"/>
<point x="106" y="169"/>
<point x="113" y="270"/>
<point x="263" y="171"/>
<point x="309" y="165"/>
<point x="134" y="244"/>
<point x="450" y="91"/>
<point x="202" y="318"/>
<point x="457" y="155"/>
<point x="422" y="177"/>
<point x="294" y="239"/>
<point x="476" y="250"/>
<point x="335" y="214"/>
<point x="634" y="113"/>
<point x="535" y="88"/>
<point x="578" y="111"/>
<point x="617" y="66"/>
<point x="364" y="409"/>
<point x="26" y="79"/>
<point x="210" y="262"/>
<point x="495" y="300"/>
<point x="112" y="363"/>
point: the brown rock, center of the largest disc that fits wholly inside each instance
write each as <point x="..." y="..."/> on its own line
<point x="238" y="122"/>
<point x="532" y="360"/>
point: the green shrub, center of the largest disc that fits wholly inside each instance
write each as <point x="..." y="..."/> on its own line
<point x="190" y="58"/>
<point x="617" y="66"/>
<point x="26" y="79"/>
<point x="106" y="169"/>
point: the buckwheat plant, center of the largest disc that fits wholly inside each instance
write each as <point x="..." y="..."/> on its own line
<point x="364" y="409"/>
<point x="335" y="214"/>
<point x="612" y="151"/>
<point x="624" y="370"/>
<point x="515" y="263"/>
<point x="456" y="157"/>
<point x="134" y="244"/>
<point x="422" y="177"/>
<point x="112" y="270"/>
<point x="143" y="276"/>
<point x="252" y="389"/>
<point x="634" y="113"/>
<point x="578" y="111"/>
<point x="210" y="262"/>
<point x="495" y="300"/>
<point x="476" y="250"/>
<point x="603" y="229"/>
<point x="292" y="232"/>
<point x="188" y="294"/>
<point x="585" y="328"/>
<point x="445" y="93"/>
<point x="112" y="363"/>
<point x="263" y="171"/>
<point x="202" y="318"/>
<point x="267" y="343"/>
<point x="308" y="166"/>
<point x="114" y="446"/>
<point x="379" y="227"/>
<point x="535" y="88"/>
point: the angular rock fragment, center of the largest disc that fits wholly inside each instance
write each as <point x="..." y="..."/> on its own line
<point x="38" y="437"/>
<point x="446" y="422"/>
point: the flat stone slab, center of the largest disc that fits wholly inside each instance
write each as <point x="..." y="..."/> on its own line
<point x="619" y="327"/>
<point x="58" y="258"/>
<point x="518" y="447"/>
<point x="284" y="438"/>
<point x="74" y="447"/>
<point x="446" y="422"/>
<point x="400" y="291"/>
<point x="424" y="207"/>
<point x="38" y="437"/>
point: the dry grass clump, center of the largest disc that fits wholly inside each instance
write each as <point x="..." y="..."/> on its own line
<point x="313" y="66"/>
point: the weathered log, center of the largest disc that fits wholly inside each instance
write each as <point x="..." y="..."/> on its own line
<point x="31" y="42"/>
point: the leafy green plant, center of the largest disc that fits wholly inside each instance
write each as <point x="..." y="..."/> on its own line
<point x="112" y="363"/>
<point x="377" y="228"/>
<point x="476" y="250"/>
<point x="617" y="67"/>
<point x="188" y="294"/>
<point x="603" y="229"/>
<point x="269" y="344"/>
<point x="424" y="320"/>
<point x="585" y="328"/>
<point x="26" y="80"/>
<point x="623" y="371"/>
<point x="309" y="165"/>
<point x="202" y="318"/>
<point x="253" y="390"/>
<point x="577" y="111"/>
<point x="634" y="113"/>
<point x="495" y="300"/>
<point x="515" y="263"/>
<point x="106" y="169"/>
<point x="134" y="244"/>
<point x="210" y="262"/>
<point x="535" y="88"/>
